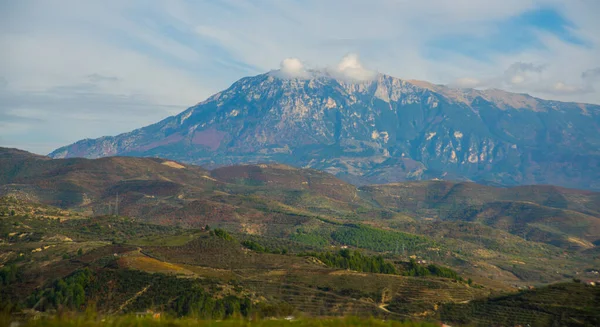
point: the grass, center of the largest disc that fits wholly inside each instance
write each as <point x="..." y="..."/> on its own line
<point x="152" y="265"/>
<point x="132" y="321"/>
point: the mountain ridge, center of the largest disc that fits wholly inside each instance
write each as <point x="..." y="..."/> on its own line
<point x="380" y="130"/>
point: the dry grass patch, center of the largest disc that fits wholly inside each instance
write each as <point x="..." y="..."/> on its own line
<point x="173" y="164"/>
<point x="152" y="265"/>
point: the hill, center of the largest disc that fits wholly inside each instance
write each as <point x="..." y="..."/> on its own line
<point x="498" y="236"/>
<point x="558" y="216"/>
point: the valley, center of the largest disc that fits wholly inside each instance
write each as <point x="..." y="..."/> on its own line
<point x="264" y="235"/>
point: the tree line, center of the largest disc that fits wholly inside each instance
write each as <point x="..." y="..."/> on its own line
<point x="354" y="260"/>
<point x="107" y="289"/>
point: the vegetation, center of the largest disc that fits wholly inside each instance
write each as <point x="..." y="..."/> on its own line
<point x="66" y="293"/>
<point x="111" y="321"/>
<point x="415" y="269"/>
<point x="377" y="239"/>
<point x="254" y="246"/>
<point x="313" y="239"/>
<point x="565" y="304"/>
<point x="354" y="260"/>
<point x="27" y="228"/>
<point x="59" y="260"/>
<point x="134" y="291"/>
<point x="221" y="233"/>
<point x="10" y="274"/>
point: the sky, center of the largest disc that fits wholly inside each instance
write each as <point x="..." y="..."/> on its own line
<point x="73" y="69"/>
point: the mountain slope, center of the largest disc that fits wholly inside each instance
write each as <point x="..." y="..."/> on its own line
<point x="382" y="130"/>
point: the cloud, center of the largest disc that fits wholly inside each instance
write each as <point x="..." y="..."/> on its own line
<point x="532" y="78"/>
<point x="522" y="73"/>
<point x="466" y="82"/>
<point x="560" y="87"/>
<point x="349" y="68"/>
<point x="591" y="75"/>
<point x="352" y="69"/>
<point x="292" y="68"/>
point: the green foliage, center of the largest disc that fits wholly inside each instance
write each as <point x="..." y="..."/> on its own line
<point x="309" y="238"/>
<point x="221" y="233"/>
<point x="354" y="260"/>
<point x="415" y="269"/>
<point x="198" y="303"/>
<point x="141" y="291"/>
<point x="63" y="293"/>
<point x="254" y="246"/>
<point x="10" y="274"/>
<point x="377" y="239"/>
<point x="443" y="272"/>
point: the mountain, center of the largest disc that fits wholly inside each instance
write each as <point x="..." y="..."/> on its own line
<point x="376" y="131"/>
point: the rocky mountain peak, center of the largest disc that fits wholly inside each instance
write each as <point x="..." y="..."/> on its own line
<point x="375" y="129"/>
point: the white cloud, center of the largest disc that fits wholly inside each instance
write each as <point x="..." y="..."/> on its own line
<point x="351" y="68"/>
<point x="520" y="73"/>
<point x="466" y="82"/>
<point x="292" y="68"/>
<point x="535" y="79"/>
<point x="561" y="87"/>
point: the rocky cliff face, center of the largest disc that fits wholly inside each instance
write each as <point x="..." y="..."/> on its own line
<point x="381" y="130"/>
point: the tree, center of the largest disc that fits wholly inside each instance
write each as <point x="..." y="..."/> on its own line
<point x="222" y="234"/>
<point x="9" y="274"/>
<point x="80" y="251"/>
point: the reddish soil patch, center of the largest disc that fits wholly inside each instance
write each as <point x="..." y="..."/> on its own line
<point x="210" y="138"/>
<point x="173" y="138"/>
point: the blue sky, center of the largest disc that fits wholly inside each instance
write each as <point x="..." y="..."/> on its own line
<point x="84" y="69"/>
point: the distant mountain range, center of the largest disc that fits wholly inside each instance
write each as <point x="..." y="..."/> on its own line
<point x="376" y="131"/>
